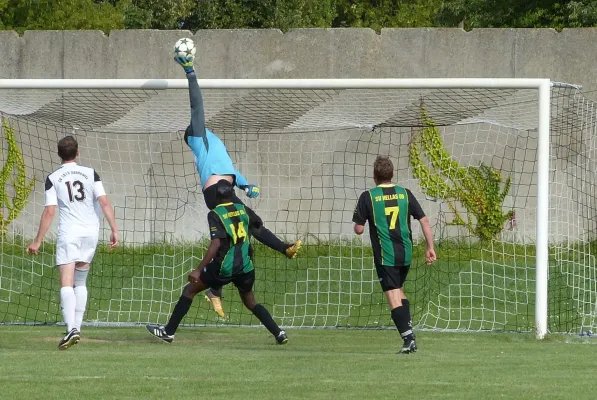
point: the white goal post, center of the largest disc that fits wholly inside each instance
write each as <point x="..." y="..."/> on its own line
<point x="542" y="87"/>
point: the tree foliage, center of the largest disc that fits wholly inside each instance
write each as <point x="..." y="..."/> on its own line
<point x="157" y="14"/>
<point x="230" y="14"/>
<point x="518" y="13"/>
<point x="286" y="14"/>
<point x="22" y="15"/>
<point x="386" y="14"/>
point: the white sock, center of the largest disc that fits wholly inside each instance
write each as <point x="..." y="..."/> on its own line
<point x="68" y="302"/>
<point x="81" y="304"/>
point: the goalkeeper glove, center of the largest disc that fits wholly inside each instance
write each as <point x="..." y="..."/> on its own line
<point x="251" y="191"/>
<point x="186" y="62"/>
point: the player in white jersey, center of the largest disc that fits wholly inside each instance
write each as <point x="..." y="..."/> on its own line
<point x="79" y="194"/>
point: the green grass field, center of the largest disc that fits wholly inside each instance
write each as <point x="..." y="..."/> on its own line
<point x="489" y="287"/>
<point x="244" y="363"/>
<point x="470" y="287"/>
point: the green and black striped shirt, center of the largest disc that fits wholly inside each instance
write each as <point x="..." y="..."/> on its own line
<point x="231" y="223"/>
<point x="388" y="209"/>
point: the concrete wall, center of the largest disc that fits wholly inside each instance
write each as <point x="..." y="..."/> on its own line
<point x="307" y="53"/>
<point x="153" y="182"/>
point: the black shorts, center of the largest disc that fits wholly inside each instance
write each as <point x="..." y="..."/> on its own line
<point x="391" y="277"/>
<point x="211" y="200"/>
<point x="210" y="275"/>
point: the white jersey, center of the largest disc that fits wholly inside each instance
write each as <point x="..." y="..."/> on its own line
<point x="75" y="189"/>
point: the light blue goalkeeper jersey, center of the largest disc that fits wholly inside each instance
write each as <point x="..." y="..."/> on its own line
<point x="211" y="155"/>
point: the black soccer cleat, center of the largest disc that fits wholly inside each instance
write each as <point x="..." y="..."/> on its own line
<point x="282" y="338"/>
<point x="409" y="347"/>
<point x="71" y="338"/>
<point x="160" y="333"/>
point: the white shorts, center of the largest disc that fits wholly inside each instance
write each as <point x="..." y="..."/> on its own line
<point x="75" y="249"/>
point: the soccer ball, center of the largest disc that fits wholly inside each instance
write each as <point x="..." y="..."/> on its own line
<point x="185" y="47"/>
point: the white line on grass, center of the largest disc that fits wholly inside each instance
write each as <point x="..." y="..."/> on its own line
<point x="165" y="378"/>
<point x="53" y="378"/>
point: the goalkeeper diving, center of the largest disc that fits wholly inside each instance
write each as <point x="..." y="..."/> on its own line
<point x="214" y="164"/>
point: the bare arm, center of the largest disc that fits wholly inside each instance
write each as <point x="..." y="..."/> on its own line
<point x="361" y="213"/>
<point x="359" y="229"/>
<point x="426" y="228"/>
<point x="44" y="224"/>
<point x="214" y="245"/>
<point x="109" y="214"/>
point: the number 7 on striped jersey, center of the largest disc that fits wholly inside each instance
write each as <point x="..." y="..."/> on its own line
<point x="393" y="212"/>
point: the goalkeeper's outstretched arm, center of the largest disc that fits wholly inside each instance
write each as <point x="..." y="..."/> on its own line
<point x="198" y="129"/>
<point x="197" y="110"/>
<point x="240" y="180"/>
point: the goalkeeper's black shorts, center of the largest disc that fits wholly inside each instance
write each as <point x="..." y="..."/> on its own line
<point x="210" y="275"/>
<point x="211" y="200"/>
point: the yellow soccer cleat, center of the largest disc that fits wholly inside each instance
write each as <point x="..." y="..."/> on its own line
<point x="293" y="250"/>
<point x="216" y="303"/>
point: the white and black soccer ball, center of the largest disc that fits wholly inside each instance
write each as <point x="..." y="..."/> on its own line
<point x="185" y="47"/>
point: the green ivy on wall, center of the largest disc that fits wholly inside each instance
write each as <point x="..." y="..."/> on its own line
<point x="480" y="190"/>
<point x="13" y="174"/>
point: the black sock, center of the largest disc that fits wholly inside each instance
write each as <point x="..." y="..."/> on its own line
<point x="266" y="319"/>
<point x="180" y="310"/>
<point x="266" y="237"/>
<point x="401" y="320"/>
<point x="406" y="304"/>
<point x="216" y="291"/>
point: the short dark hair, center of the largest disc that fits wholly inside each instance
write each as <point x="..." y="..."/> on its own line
<point x="68" y="148"/>
<point x="224" y="191"/>
<point x="383" y="169"/>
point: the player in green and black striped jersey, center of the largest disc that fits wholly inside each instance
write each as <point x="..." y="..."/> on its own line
<point x="388" y="209"/>
<point x="228" y="260"/>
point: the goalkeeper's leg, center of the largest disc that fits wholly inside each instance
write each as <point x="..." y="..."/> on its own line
<point x="262" y="234"/>
<point x="266" y="237"/>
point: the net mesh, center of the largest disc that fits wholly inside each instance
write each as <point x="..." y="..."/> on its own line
<point x="469" y="156"/>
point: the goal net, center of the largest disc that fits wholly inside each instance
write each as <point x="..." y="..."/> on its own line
<point x="468" y="155"/>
